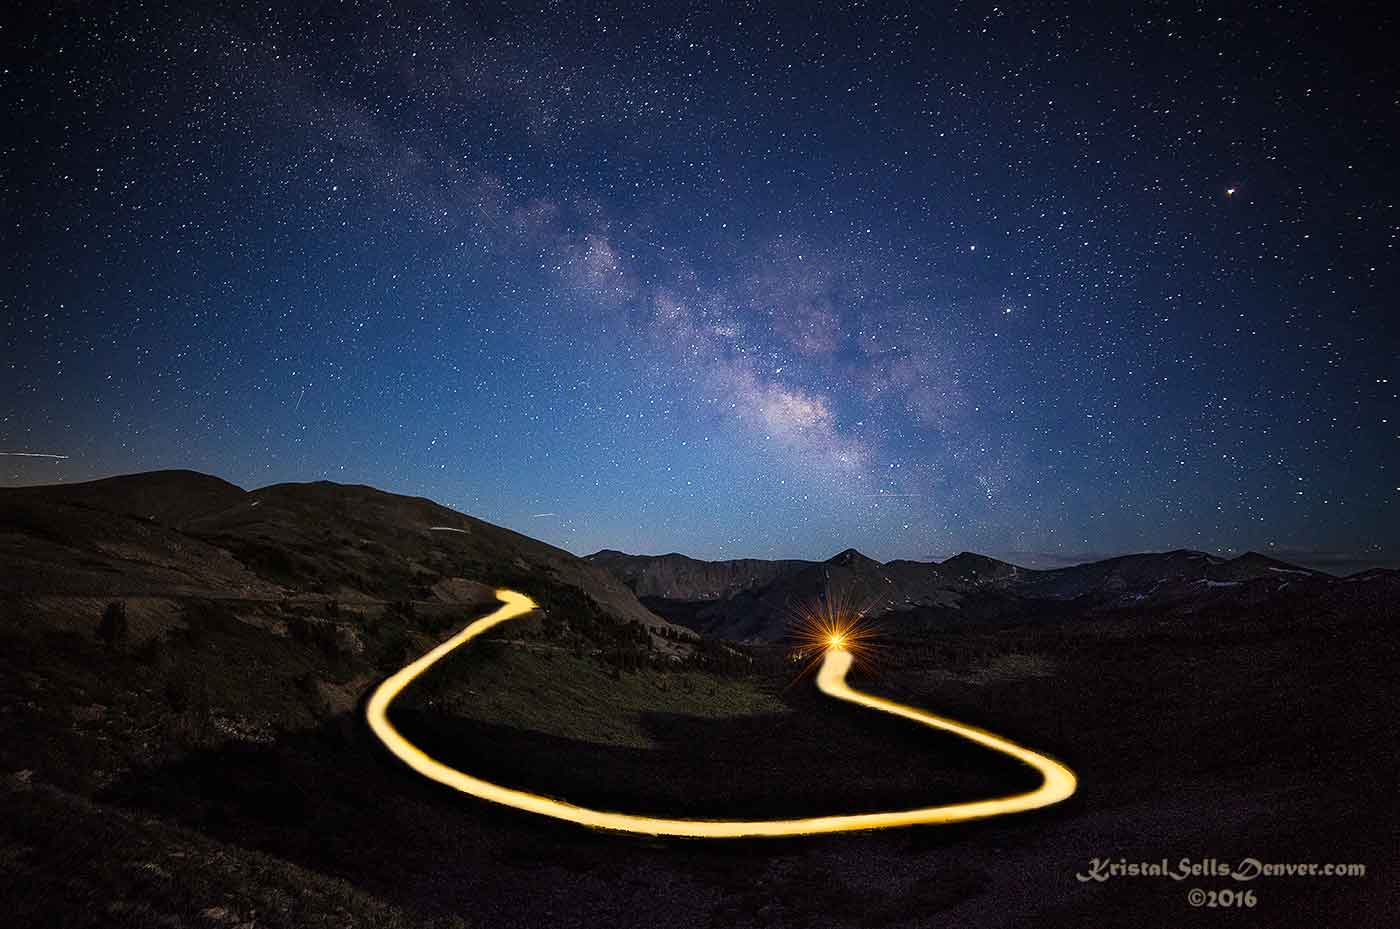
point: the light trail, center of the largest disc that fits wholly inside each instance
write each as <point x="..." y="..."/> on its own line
<point x="1058" y="783"/>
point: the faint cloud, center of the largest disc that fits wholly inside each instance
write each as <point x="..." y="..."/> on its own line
<point x="790" y="417"/>
<point x="536" y="219"/>
<point x="782" y="414"/>
<point x="925" y="385"/>
<point x="593" y="267"/>
<point x="800" y="291"/>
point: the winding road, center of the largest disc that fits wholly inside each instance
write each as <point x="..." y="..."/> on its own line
<point x="1058" y="782"/>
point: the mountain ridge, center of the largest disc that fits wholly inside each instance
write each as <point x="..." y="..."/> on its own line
<point x="187" y="533"/>
<point x="761" y="597"/>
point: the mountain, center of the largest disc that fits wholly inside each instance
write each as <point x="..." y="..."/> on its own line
<point x="1158" y="576"/>
<point x="971" y="568"/>
<point x="169" y="498"/>
<point x="182" y="533"/>
<point x="1252" y="566"/>
<point x="755" y="600"/>
<point x="120" y="536"/>
<point x="853" y="560"/>
<point x="676" y="577"/>
<point x="1375" y="574"/>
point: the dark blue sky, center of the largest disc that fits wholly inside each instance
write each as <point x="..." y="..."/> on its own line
<point x="724" y="280"/>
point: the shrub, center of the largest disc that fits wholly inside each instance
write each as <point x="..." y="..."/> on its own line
<point x="187" y="693"/>
<point x="112" y="629"/>
<point x="309" y="688"/>
<point x="394" y="647"/>
<point x="323" y="635"/>
<point x="402" y="612"/>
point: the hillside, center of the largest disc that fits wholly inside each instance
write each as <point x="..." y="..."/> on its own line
<point x="211" y="766"/>
<point x="181" y="533"/>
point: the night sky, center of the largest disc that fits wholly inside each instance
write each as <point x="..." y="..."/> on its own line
<point x="1043" y="281"/>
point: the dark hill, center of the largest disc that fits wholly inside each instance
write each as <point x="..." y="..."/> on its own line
<point x="1159" y="576"/>
<point x="1252" y="565"/>
<point x="167" y="497"/>
<point x="184" y="533"/>
<point x="971" y="568"/>
<point x="853" y="560"/>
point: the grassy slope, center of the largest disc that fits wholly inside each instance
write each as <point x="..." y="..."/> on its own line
<point x="205" y="679"/>
<point x="546" y="688"/>
<point x="66" y="862"/>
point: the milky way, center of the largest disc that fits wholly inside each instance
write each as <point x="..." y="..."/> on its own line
<point x="728" y="281"/>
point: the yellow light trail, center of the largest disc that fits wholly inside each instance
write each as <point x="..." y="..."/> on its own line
<point x="1058" y="781"/>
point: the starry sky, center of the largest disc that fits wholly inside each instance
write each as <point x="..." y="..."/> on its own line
<point x="1047" y="281"/>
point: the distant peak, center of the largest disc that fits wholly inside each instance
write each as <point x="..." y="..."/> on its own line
<point x="167" y="477"/>
<point x="1253" y="558"/>
<point x="968" y="563"/>
<point x="850" y="557"/>
<point x="969" y="558"/>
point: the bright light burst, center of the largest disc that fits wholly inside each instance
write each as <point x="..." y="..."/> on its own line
<point x="834" y="623"/>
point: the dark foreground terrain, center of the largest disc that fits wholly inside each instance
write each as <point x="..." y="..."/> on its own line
<point x="210" y="768"/>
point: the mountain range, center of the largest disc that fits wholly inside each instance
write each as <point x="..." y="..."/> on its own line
<point x="187" y="534"/>
<point x="757" y="600"/>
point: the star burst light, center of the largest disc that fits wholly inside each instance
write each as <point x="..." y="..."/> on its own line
<point x="835" y="622"/>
